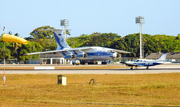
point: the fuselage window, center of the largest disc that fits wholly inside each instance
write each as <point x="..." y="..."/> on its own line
<point x="137" y="60"/>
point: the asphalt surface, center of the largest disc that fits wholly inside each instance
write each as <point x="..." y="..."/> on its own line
<point x="165" y="68"/>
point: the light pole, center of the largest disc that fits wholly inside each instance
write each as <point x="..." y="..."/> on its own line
<point x="46" y="57"/>
<point x="4" y="77"/>
<point x="65" y="23"/>
<point x="140" y="21"/>
<point x="10" y="38"/>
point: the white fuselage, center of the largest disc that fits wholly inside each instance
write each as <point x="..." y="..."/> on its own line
<point x="143" y="62"/>
<point x="98" y="54"/>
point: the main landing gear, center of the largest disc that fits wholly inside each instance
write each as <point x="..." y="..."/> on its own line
<point x="136" y="67"/>
<point x="132" y="67"/>
<point x="103" y="63"/>
<point x="147" y="67"/>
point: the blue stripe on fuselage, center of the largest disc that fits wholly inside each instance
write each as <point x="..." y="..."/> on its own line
<point x="147" y="64"/>
<point x="99" y="54"/>
<point x="93" y="54"/>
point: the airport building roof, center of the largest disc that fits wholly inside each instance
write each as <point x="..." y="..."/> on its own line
<point x="172" y="55"/>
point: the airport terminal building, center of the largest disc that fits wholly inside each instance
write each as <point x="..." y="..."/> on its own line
<point x="48" y="59"/>
<point x="171" y="57"/>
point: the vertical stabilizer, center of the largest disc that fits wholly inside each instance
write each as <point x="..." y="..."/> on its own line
<point x="61" y="42"/>
<point x="163" y="57"/>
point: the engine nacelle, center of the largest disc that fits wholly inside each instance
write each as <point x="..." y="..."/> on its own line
<point x="70" y="56"/>
<point x="116" y="55"/>
<point x="81" y="56"/>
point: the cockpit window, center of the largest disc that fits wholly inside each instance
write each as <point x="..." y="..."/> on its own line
<point x="111" y="51"/>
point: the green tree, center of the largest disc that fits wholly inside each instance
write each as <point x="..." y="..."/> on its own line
<point x="7" y="50"/>
<point x="128" y="43"/>
<point x="45" y="37"/>
<point x="103" y="40"/>
<point x="16" y="46"/>
<point x="95" y="39"/>
<point x="42" y="32"/>
<point x="29" y="48"/>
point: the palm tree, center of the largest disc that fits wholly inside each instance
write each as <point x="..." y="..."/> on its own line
<point x="16" y="46"/>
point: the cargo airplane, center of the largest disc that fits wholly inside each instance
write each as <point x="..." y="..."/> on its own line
<point x="146" y="62"/>
<point x="88" y="55"/>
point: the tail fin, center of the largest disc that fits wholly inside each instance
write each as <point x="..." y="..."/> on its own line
<point x="60" y="40"/>
<point x="163" y="57"/>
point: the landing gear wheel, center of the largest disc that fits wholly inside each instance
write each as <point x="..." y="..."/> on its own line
<point x="83" y="63"/>
<point x="104" y="63"/>
<point x="131" y="68"/>
<point x="136" y="67"/>
<point x="147" y="67"/>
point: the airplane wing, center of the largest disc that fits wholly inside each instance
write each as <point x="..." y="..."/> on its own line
<point x="121" y="51"/>
<point x="129" y="64"/>
<point x="64" y="50"/>
<point x="72" y="49"/>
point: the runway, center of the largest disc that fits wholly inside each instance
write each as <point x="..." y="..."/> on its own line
<point x="98" y="71"/>
<point x="141" y="70"/>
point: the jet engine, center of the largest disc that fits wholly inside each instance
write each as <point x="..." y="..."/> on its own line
<point x="72" y="56"/>
<point x="116" y="55"/>
<point x="81" y="56"/>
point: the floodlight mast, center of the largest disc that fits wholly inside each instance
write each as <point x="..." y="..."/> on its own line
<point x="140" y="21"/>
<point x="65" y="23"/>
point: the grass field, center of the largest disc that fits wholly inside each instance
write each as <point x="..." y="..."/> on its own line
<point x="108" y="90"/>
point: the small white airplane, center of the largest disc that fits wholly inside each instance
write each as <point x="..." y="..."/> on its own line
<point x="146" y="62"/>
<point x="88" y="55"/>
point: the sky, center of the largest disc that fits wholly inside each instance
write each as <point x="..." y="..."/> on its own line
<point x="90" y="16"/>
